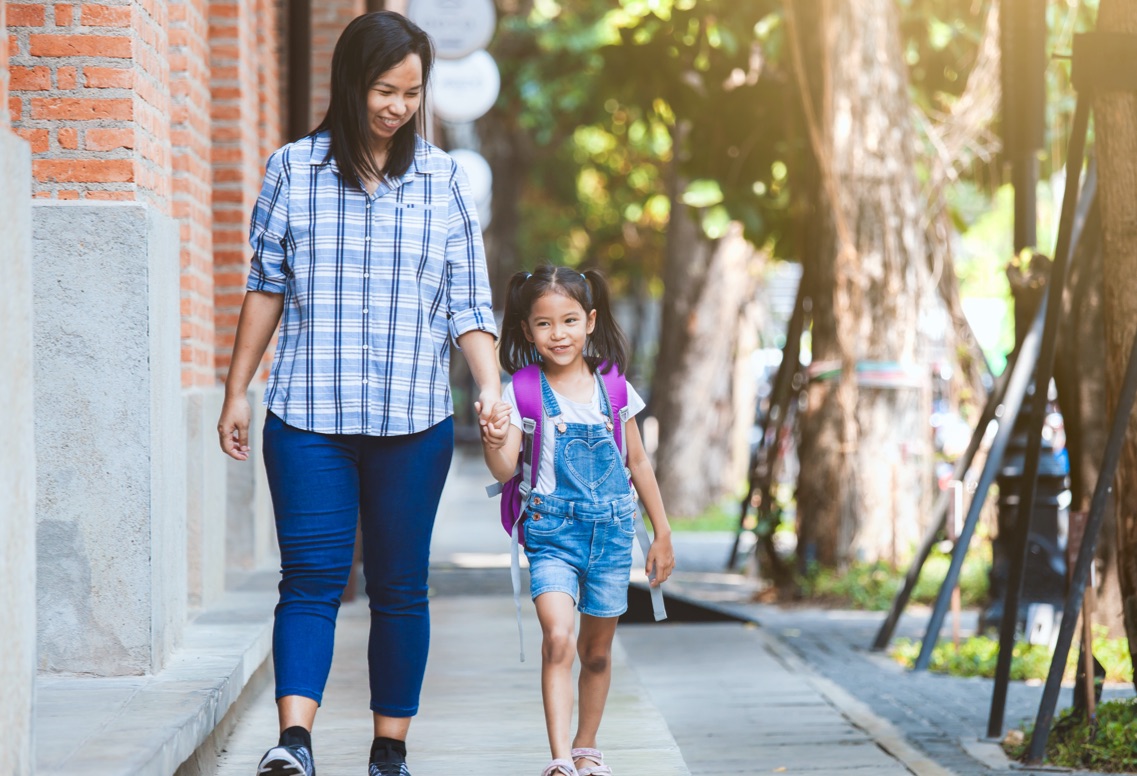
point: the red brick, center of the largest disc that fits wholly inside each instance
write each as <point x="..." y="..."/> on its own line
<point x="105" y="16"/>
<point x="108" y="77"/>
<point x="83" y="170"/>
<point x="118" y="47"/>
<point x="79" y="109"/>
<point x="26" y="79"/>
<point x="110" y="195"/>
<point x="66" y="78"/>
<point x="25" y="15"/>
<point x="68" y="138"/>
<point x="69" y="194"/>
<point x="37" y="138"/>
<point x="15" y="109"/>
<point x="108" y="139"/>
<point x="64" y="16"/>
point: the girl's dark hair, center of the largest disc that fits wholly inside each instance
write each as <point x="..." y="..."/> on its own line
<point x="607" y="342"/>
<point x="369" y="46"/>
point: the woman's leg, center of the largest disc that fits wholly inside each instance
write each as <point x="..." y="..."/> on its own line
<point x="401" y="483"/>
<point x="594" y="645"/>
<point x="315" y="494"/>
<point x="556" y="612"/>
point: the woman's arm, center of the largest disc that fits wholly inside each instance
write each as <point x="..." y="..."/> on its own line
<point x="478" y="349"/>
<point x="260" y="314"/>
<point x="661" y="556"/>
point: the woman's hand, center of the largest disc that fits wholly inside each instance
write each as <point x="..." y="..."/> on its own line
<point x="661" y="559"/>
<point x="233" y="427"/>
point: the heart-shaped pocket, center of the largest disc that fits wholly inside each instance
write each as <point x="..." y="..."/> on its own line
<point x="585" y="465"/>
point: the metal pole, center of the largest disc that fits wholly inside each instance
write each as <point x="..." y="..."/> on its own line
<point x="1016" y="389"/>
<point x="1045" y="371"/>
<point x="994" y="400"/>
<point x="1085" y="559"/>
<point x="780" y="397"/>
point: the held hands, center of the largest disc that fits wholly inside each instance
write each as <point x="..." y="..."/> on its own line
<point x="494" y="424"/>
<point x="661" y="558"/>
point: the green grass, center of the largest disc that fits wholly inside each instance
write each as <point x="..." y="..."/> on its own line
<point x="722" y="516"/>
<point x="873" y="586"/>
<point x="977" y="656"/>
<point x="1107" y="747"/>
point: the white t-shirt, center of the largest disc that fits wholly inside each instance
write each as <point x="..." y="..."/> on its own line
<point x="571" y="412"/>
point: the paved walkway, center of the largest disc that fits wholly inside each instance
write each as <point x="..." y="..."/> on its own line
<point x="703" y="699"/>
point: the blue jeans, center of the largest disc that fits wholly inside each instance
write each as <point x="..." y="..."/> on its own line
<point x="322" y="485"/>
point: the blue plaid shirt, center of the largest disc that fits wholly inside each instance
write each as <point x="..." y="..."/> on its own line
<point x="375" y="287"/>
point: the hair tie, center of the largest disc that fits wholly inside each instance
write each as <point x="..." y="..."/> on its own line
<point x="582" y="277"/>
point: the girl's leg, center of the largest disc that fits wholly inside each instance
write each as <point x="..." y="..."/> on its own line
<point x="401" y="484"/>
<point x="315" y="494"/>
<point x="595" y="648"/>
<point x="555" y="610"/>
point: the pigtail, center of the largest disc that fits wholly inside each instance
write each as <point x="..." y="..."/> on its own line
<point x="608" y="340"/>
<point x="514" y="350"/>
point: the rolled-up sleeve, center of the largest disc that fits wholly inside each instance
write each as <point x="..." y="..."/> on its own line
<point x="470" y="307"/>
<point x="269" y="268"/>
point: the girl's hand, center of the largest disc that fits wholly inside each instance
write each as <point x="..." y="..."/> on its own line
<point x="661" y="558"/>
<point x="233" y="427"/>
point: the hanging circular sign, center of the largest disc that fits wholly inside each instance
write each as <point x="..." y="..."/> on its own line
<point x="464" y="89"/>
<point x="458" y="27"/>
<point x="480" y="175"/>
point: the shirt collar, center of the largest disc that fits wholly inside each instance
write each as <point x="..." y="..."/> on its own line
<point x="322" y="143"/>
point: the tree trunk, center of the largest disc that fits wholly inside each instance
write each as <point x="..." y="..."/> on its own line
<point x="866" y="310"/>
<point x="708" y="285"/>
<point x="1115" y="117"/>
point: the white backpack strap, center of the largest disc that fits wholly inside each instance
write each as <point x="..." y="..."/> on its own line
<point x="515" y="577"/>
<point x="657" y="608"/>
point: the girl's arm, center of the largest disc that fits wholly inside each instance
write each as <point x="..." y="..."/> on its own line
<point x="502" y="461"/>
<point x="260" y="314"/>
<point x="661" y="556"/>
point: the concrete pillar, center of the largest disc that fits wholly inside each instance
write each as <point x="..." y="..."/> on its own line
<point x="206" y="498"/>
<point x="111" y="497"/>
<point x="17" y="450"/>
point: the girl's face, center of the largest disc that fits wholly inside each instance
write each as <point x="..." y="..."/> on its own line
<point x="559" y="328"/>
<point x="393" y="99"/>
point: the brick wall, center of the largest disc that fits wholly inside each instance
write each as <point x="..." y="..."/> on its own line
<point x="90" y="93"/>
<point x="3" y="65"/>
<point x="245" y="124"/>
<point x="328" y="21"/>
<point x="192" y="182"/>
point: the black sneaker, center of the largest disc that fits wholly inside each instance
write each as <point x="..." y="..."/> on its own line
<point x="287" y="761"/>
<point x="390" y="762"/>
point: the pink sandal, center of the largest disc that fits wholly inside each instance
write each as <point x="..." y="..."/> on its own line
<point x="600" y="769"/>
<point x="563" y="767"/>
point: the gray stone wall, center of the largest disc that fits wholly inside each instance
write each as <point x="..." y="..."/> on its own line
<point x="206" y="497"/>
<point x="110" y="445"/>
<point x="17" y="462"/>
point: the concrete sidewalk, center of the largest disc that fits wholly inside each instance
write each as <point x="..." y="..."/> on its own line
<point x="687" y="698"/>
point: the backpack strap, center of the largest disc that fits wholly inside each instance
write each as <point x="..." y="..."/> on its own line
<point x="527" y="394"/>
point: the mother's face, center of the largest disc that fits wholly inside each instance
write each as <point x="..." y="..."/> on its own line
<point x="393" y="99"/>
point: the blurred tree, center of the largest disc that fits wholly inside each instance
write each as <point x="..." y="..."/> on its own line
<point x="1115" y="116"/>
<point x="865" y="443"/>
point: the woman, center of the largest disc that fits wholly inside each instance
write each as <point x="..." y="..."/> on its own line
<point x="365" y="241"/>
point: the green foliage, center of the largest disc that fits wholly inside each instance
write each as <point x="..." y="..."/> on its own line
<point x="873" y="586"/>
<point x="1106" y="747"/>
<point x="977" y="656"/>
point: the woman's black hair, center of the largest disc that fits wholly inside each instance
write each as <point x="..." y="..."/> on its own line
<point x="607" y="342"/>
<point x="369" y="46"/>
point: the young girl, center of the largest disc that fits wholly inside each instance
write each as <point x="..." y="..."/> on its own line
<point x="580" y="525"/>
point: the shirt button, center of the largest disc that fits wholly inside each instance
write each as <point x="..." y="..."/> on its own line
<point x="365" y="311"/>
<point x="365" y="347"/>
<point x="367" y="238"/>
<point x="366" y="274"/>
<point x="365" y="381"/>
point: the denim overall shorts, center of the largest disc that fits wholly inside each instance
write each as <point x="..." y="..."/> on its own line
<point x="579" y="537"/>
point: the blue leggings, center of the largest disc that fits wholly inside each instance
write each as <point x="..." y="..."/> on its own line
<point x="321" y="485"/>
